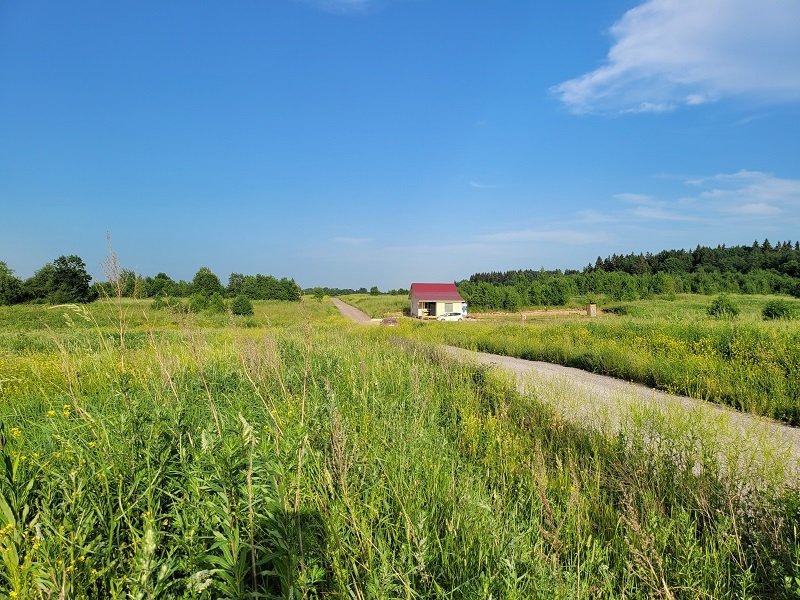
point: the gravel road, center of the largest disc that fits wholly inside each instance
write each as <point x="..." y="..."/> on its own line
<point x="351" y="312"/>
<point x="602" y="400"/>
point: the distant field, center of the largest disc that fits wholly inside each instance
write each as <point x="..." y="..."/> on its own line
<point x="293" y="454"/>
<point x="379" y="306"/>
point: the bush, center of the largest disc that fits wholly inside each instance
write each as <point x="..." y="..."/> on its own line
<point x="173" y="304"/>
<point x="722" y="307"/>
<point x="198" y="302"/>
<point x="778" y="309"/>
<point x="241" y="305"/>
<point x="216" y="304"/>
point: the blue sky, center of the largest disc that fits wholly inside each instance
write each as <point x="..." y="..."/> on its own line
<point x="368" y="142"/>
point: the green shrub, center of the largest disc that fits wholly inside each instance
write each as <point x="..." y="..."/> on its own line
<point x="778" y="309"/>
<point x="198" y="302"/>
<point x="216" y="304"/>
<point x="241" y="305"/>
<point x="722" y="307"/>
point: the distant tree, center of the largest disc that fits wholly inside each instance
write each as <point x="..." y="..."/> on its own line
<point x="319" y="293"/>
<point x="511" y="300"/>
<point x="39" y="286"/>
<point x="69" y="281"/>
<point x="235" y="284"/>
<point x="160" y="285"/>
<point x="241" y="305"/>
<point x="181" y="289"/>
<point x="11" y="290"/>
<point x="205" y="283"/>
<point x="374" y="291"/>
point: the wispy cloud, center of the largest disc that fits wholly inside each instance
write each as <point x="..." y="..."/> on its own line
<point x="756" y="209"/>
<point x="563" y="236"/>
<point x="752" y="189"/>
<point x="742" y="195"/>
<point x="483" y="186"/>
<point x="672" y="53"/>
<point x="656" y="213"/>
<point x="642" y="199"/>
<point x="352" y="241"/>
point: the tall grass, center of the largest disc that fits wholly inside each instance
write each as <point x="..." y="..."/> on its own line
<point x="751" y="365"/>
<point x="314" y="459"/>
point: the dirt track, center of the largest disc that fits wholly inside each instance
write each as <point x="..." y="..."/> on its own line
<point x="351" y="312"/>
<point x="601" y="400"/>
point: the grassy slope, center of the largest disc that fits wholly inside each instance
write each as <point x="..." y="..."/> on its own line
<point x="307" y="456"/>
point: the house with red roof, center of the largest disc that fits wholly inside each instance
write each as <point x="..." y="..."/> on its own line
<point x="435" y="299"/>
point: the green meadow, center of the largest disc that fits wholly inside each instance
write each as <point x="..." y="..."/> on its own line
<point x="292" y="454"/>
<point x="746" y="362"/>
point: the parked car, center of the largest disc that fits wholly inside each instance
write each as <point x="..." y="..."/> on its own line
<point x="450" y="316"/>
<point x="389" y="322"/>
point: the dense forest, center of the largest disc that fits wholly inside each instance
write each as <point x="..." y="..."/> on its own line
<point x="757" y="269"/>
<point x="66" y="280"/>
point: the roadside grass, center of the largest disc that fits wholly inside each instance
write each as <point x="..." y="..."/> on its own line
<point x="379" y="306"/>
<point x="306" y="458"/>
<point x="750" y="364"/>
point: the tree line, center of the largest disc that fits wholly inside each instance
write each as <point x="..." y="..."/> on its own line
<point x="66" y="280"/>
<point x="757" y="269"/>
<point x="335" y="291"/>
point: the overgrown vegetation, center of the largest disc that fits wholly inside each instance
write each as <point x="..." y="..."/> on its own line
<point x="746" y="363"/>
<point x="722" y="307"/>
<point x="192" y="458"/>
<point x="779" y="309"/>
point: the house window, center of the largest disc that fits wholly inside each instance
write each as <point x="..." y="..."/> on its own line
<point x="448" y="307"/>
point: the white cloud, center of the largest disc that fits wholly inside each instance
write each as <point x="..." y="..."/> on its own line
<point x="739" y="195"/>
<point x="748" y="188"/>
<point x="671" y="53"/>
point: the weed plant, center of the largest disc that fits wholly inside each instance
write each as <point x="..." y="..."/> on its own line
<point x="307" y="458"/>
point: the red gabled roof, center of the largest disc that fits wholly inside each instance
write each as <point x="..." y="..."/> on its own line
<point x="436" y="291"/>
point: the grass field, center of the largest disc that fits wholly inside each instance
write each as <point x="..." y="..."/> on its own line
<point x="746" y="362"/>
<point x="379" y="306"/>
<point x="295" y="455"/>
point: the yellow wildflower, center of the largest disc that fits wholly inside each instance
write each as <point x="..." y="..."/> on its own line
<point x="51" y="413"/>
<point x="16" y="432"/>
